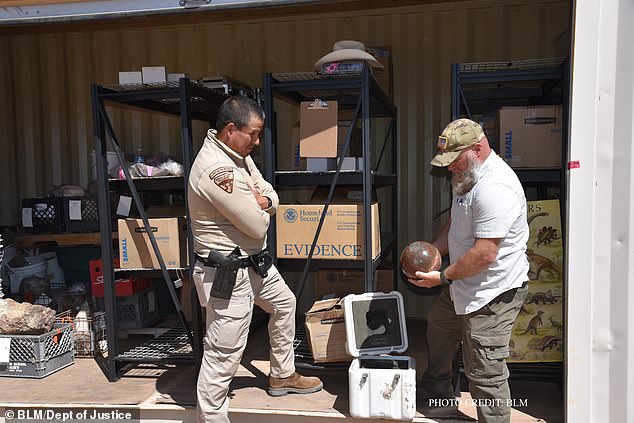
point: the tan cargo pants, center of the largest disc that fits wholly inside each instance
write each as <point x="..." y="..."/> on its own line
<point x="485" y="336"/>
<point x="227" y="329"/>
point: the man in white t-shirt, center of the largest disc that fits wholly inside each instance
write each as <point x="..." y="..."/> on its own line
<point x="486" y="282"/>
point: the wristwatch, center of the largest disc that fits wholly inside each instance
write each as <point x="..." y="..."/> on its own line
<point x="443" y="279"/>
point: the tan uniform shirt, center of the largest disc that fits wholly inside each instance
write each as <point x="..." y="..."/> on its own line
<point x="222" y="206"/>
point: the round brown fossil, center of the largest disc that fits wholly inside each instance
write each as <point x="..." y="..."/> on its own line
<point x="420" y="256"/>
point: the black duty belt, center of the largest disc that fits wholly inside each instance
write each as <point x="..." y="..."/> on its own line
<point x="243" y="262"/>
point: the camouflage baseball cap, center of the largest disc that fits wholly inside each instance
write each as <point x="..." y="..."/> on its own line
<point x="458" y="135"/>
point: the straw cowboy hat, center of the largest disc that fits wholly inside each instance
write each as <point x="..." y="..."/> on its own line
<point x="346" y="50"/>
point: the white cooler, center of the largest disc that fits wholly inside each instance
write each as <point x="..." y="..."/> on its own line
<point x="381" y="386"/>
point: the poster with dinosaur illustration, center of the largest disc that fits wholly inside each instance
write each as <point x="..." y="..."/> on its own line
<point x="538" y="332"/>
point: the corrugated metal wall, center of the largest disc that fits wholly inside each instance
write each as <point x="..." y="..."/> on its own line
<point x="45" y="113"/>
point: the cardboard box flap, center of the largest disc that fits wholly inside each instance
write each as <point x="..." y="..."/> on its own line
<point x="325" y="305"/>
<point x="375" y="323"/>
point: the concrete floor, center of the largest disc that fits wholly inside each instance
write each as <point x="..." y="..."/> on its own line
<point x="161" y="389"/>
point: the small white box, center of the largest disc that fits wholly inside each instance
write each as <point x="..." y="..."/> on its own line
<point x="320" y="164"/>
<point x="132" y="77"/>
<point x="349" y="163"/>
<point x="380" y="386"/>
<point x="175" y="77"/>
<point x="154" y="74"/>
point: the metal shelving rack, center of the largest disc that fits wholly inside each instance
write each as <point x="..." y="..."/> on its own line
<point x="486" y="86"/>
<point x="188" y="101"/>
<point x="361" y="94"/>
<point x="478" y="88"/>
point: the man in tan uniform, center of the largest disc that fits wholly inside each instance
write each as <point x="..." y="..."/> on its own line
<point x="230" y="206"/>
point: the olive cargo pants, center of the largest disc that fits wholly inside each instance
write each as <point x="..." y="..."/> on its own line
<point x="485" y="336"/>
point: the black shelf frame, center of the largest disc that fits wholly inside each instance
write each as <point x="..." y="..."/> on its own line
<point x="187" y="101"/>
<point x="160" y="183"/>
<point x="480" y="87"/>
<point x="486" y="86"/>
<point x="346" y="177"/>
<point x="361" y="94"/>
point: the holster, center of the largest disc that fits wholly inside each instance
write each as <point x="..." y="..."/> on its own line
<point x="261" y="263"/>
<point x="226" y="273"/>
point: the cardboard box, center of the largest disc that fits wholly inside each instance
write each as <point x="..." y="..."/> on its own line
<point x="341" y="236"/>
<point x="135" y="249"/>
<point x="134" y="77"/>
<point x="344" y="282"/>
<point x="318" y="129"/>
<point x="530" y="137"/>
<point x="154" y="74"/>
<point x="326" y="329"/>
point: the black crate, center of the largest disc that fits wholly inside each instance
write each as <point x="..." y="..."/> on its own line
<point x="88" y="218"/>
<point x="37" y="356"/>
<point x="46" y="215"/>
<point x="135" y="311"/>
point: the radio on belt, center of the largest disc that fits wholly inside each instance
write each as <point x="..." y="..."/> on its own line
<point x="381" y="386"/>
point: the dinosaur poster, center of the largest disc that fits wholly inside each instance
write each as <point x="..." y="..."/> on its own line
<point x="538" y="331"/>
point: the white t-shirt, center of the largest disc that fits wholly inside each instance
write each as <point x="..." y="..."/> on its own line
<point x="494" y="208"/>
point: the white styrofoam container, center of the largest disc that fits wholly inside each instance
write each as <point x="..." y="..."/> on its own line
<point x="132" y="77"/>
<point x="154" y="74"/>
<point x="175" y="77"/>
<point x="349" y="163"/>
<point x="320" y="164"/>
<point x="380" y="386"/>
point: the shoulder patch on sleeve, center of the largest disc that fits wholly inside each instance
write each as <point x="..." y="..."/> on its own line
<point x="223" y="177"/>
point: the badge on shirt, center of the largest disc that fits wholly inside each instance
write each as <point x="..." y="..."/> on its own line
<point x="223" y="177"/>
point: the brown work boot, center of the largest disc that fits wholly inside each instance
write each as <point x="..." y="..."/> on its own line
<point x="294" y="384"/>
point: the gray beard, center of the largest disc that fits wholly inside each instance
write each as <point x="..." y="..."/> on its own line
<point x="462" y="183"/>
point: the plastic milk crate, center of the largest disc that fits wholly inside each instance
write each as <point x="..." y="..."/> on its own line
<point x="60" y="214"/>
<point x="137" y="310"/>
<point x="37" y="356"/>
<point x="80" y="214"/>
<point x="380" y="386"/>
<point x="42" y="215"/>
